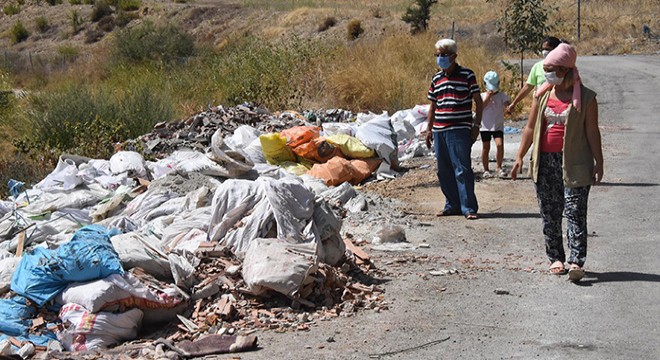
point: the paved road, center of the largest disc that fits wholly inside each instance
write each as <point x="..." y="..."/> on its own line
<point x="614" y="313"/>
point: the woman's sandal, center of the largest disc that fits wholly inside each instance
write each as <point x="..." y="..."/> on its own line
<point x="471" y="216"/>
<point x="575" y="273"/>
<point x="557" y="268"/>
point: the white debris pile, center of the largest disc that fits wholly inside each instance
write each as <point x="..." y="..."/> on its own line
<point x="237" y="230"/>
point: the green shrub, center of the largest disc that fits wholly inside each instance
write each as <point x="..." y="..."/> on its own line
<point x="142" y="107"/>
<point x="75" y="2"/>
<point x="354" y="29"/>
<point x="42" y="24"/>
<point x="68" y="51"/>
<point x="76" y="21"/>
<point x="18" y="32"/>
<point x="54" y="2"/>
<point x="19" y="167"/>
<point x="327" y="23"/>
<point x="77" y="120"/>
<point x="101" y="9"/>
<point x="418" y="15"/>
<point x="269" y="75"/>
<point x="11" y="9"/>
<point x="129" y="5"/>
<point x="150" y="42"/>
<point x="123" y="18"/>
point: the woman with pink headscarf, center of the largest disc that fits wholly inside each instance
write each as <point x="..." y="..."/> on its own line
<point x="566" y="158"/>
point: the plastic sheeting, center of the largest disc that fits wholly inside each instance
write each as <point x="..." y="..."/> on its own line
<point x="16" y="320"/>
<point x="378" y="134"/>
<point x="246" y="210"/>
<point x="43" y="274"/>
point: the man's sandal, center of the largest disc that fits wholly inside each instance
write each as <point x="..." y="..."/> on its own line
<point x="447" y="212"/>
<point x="575" y="273"/>
<point x="557" y="268"/>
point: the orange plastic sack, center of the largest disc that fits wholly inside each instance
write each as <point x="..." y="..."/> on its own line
<point x="299" y="135"/>
<point x="334" y="172"/>
<point x="364" y="168"/>
<point x="318" y="150"/>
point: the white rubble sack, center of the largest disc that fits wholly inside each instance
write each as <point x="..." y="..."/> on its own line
<point x="245" y="210"/>
<point x="235" y="162"/>
<point x="121" y="292"/>
<point x="419" y="118"/>
<point x="221" y="161"/>
<point x="143" y="251"/>
<point x="183" y="228"/>
<point x="67" y="199"/>
<point x="8" y="266"/>
<point x="64" y="177"/>
<point x="335" y="128"/>
<point x="87" y="331"/>
<point x="274" y="264"/>
<point x="245" y="139"/>
<point x="339" y="195"/>
<point x="128" y="162"/>
<point x="401" y="124"/>
<point x="378" y="134"/>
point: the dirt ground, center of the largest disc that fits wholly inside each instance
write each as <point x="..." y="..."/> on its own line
<point x="480" y="289"/>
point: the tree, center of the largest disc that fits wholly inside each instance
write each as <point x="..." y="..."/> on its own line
<point x="418" y="15"/>
<point x="524" y="24"/>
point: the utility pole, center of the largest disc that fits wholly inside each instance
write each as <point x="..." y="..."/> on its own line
<point x="578" y="20"/>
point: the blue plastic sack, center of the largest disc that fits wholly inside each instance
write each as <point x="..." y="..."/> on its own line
<point x="16" y="320"/>
<point x="511" y="130"/>
<point x="15" y="316"/>
<point x="44" y="273"/>
<point x="15" y="187"/>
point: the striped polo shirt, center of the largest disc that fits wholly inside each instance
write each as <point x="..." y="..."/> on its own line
<point x="452" y="94"/>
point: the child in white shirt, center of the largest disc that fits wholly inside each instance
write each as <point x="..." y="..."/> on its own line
<point x="492" y="122"/>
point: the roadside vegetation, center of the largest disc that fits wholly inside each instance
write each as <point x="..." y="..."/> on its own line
<point x="153" y="71"/>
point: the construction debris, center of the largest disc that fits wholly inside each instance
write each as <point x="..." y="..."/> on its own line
<point x="207" y="240"/>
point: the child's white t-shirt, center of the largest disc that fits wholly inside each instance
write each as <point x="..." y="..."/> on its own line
<point x="492" y="118"/>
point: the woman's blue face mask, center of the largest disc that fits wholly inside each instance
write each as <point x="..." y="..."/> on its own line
<point x="444" y="61"/>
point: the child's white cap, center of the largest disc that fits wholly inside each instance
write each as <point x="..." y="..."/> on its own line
<point x="492" y="81"/>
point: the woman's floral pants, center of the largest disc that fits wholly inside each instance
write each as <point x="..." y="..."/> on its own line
<point x="556" y="200"/>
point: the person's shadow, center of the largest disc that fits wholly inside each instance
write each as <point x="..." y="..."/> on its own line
<point x="591" y="278"/>
<point x="503" y="215"/>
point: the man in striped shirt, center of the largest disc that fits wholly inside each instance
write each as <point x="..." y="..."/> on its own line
<point x="453" y="130"/>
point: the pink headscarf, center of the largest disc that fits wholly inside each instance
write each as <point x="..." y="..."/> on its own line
<point x="563" y="55"/>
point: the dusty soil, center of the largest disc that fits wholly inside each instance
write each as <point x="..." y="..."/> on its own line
<point x="210" y="22"/>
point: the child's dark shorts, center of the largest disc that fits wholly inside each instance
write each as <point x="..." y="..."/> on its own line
<point x="486" y="135"/>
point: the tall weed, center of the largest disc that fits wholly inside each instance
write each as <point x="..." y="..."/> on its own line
<point x="19" y="167"/>
<point x="88" y="122"/>
<point x="267" y="74"/>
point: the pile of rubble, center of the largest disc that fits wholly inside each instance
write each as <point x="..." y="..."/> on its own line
<point x="230" y="230"/>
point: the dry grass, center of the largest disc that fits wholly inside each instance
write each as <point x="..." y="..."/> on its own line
<point x="611" y="27"/>
<point x="394" y="74"/>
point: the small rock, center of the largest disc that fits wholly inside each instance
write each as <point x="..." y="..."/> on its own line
<point x="330" y="339"/>
<point x="501" y="292"/>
